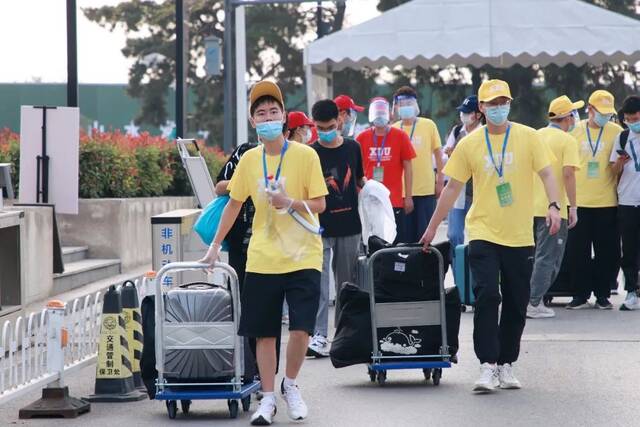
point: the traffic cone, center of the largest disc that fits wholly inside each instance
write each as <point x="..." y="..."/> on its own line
<point x="114" y="379"/>
<point x="133" y="326"/>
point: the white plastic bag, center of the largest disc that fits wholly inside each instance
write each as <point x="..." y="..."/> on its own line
<point x="376" y="212"/>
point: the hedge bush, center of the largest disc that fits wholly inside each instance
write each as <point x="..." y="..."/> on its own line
<point x="113" y="164"/>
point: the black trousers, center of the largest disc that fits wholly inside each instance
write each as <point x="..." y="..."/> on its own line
<point x="238" y="261"/>
<point x="501" y="274"/>
<point x="597" y="228"/>
<point x="629" y="226"/>
<point x="401" y="226"/>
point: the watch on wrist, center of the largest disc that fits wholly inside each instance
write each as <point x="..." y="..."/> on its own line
<point x="554" y="205"/>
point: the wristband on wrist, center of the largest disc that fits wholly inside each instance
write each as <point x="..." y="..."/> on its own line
<point x="554" y="205"/>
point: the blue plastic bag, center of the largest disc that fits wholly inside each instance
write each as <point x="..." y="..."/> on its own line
<point x="207" y="224"/>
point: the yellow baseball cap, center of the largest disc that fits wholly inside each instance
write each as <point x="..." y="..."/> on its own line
<point x="603" y="101"/>
<point x="563" y="106"/>
<point x="265" y="88"/>
<point x="492" y="89"/>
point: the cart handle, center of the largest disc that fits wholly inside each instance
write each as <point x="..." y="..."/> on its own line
<point x="182" y="145"/>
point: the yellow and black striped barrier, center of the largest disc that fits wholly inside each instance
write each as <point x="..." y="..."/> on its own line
<point x="133" y="326"/>
<point x="114" y="376"/>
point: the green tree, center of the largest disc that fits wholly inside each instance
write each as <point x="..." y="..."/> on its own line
<point x="274" y="35"/>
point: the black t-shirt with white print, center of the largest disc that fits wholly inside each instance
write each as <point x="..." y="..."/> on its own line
<point x="342" y="170"/>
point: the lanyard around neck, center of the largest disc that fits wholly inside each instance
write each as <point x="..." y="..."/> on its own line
<point x="381" y="148"/>
<point x="499" y="169"/>
<point x="594" y="150"/>
<point x="264" y="163"/>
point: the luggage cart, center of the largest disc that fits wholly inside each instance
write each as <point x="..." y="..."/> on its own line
<point x="407" y="314"/>
<point x="218" y="336"/>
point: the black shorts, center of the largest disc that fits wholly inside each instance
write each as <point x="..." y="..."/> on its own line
<point x="262" y="298"/>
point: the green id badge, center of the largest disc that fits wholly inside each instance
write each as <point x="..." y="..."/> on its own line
<point x="378" y="173"/>
<point x="593" y="169"/>
<point x="505" y="196"/>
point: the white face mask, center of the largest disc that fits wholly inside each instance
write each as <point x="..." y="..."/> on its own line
<point x="467" y="119"/>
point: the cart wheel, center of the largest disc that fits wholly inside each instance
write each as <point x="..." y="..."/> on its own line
<point x="259" y="396"/>
<point x="233" y="408"/>
<point x="437" y="374"/>
<point x="185" y="405"/>
<point x="463" y="308"/>
<point x="172" y="408"/>
<point x="246" y="403"/>
<point x="372" y="375"/>
<point x="382" y="377"/>
<point x="427" y="374"/>
<point x="547" y="300"/>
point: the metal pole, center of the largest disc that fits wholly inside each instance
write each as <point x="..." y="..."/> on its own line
<point x="241" y="84"/>
<point x="181" y="64"/>
<point x="72" y="55"/>
<point x="229" y="86"/>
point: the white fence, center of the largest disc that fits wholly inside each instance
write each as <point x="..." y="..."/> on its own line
<point x="23" y="349"/>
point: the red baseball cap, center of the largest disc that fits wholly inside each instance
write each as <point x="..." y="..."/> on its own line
<point x="345" y="103"/>
<point x="295" y="119"/>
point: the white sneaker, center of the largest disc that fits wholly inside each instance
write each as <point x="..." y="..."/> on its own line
<point x="296" y="407"/>
<point x="318" y="346"/>
<point x="488" y="380"/>
<point x="506" y="378"/>
<point x="631" y="302"/>
<point x="539" y="311"/>
<point x="263" y="416"/>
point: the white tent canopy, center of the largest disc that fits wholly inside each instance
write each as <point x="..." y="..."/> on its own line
<point x="501" y="33"/>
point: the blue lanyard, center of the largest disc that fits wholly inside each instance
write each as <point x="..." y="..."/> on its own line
<point x="499" y="170"/>
<point x="594" y="151"/>
<point x="635" y="156"/>
<point x="264" y="164"/>
<point x="413" y="129"/>
<point x="375" y="143"/>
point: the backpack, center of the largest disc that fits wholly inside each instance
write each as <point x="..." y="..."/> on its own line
<point x="456" y="132"/>
<point x="624" y="137"/>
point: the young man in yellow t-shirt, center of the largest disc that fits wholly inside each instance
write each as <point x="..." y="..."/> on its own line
<point x="597" y="207"/>
<point x="565" y="160"/>
<point x="425" y="139"/>
<point x="284" y="259"/>
<point x="501" y="159"/>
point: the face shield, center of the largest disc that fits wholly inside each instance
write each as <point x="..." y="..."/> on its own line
<point x="379" y="112"/>
<point x="405" y="107"/>
<point x="349" y="126"/>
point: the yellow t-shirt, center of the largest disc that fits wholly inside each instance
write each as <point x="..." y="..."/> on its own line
<point x="564" y="152"/>
<point x="425" y="141"/>
<point x="278" y="243"/>
<point x="487" y="220"/>
<point x="599" y="191"/>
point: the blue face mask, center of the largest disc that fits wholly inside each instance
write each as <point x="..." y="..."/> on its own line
<point x="407" y="112"/>
<point x="601" y="119"/>
<point x="498" y="115"/>
<point x="634" y="127"/>
<point x="380" y="121"/>
<point x="328" y="136"/>
<point x="571" y="128"/>
<point x="269" y="131"/>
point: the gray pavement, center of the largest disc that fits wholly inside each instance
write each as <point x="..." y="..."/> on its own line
<point x="579" y="369"/>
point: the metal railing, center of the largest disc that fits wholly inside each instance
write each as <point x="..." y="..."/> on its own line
<point x="25" y="359"/>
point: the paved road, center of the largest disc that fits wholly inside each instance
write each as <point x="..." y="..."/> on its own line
<point x="582" y="368"/>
